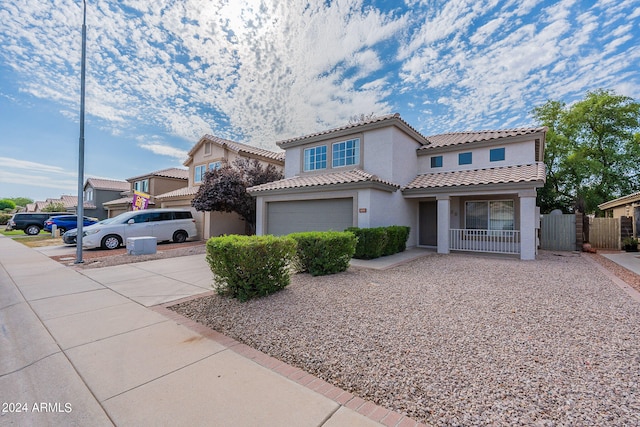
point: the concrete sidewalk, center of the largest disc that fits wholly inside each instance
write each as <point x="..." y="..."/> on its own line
<point x="84" y="348"/>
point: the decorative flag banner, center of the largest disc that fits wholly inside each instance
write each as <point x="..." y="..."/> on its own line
<point x="140" y="200"/>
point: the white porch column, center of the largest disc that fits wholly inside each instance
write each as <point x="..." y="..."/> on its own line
<point x="260" y="213"/>
<point x="527" y="225"/>
<point x="443" y="224"/>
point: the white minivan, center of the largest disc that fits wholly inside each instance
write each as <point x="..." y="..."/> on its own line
<point x="164" y="224"/>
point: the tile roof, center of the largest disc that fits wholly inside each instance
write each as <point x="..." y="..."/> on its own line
<point x="69" y="201"/>
<point x="457" y="138"/>
<point x="180" y="192"/>
<point x="624" y="200"/>
<point x="321" y="180"/>
<point x="108" y="184"/>
<point x="177" y="173"/>
<point x="238" y="147"/>
<point x="391" y="118"/>
<point x="521" y="173"/>
<point x="120" y="201"/>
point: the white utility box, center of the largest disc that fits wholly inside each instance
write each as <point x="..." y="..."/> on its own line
<point x="141" y="245"/>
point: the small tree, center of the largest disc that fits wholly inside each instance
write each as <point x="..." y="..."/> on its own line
<point x="54" y="207"/>
<point x="225" y="189"/>
<point x="7" y="205"/>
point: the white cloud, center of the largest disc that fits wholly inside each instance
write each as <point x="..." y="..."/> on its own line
<point x="165" y="150"/>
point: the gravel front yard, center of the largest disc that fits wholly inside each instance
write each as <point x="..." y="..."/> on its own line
<point x="457" y="339"/>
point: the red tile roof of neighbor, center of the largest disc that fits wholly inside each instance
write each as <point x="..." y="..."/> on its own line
<point x="108" y="184"/>
<point x="325" y="179"/>
<point x="177" y="173"/>
<point x="180" y="192"/>
<point x="238" y="147"/>
<point x="521" y="173"/>
<point x="456" y="138"/>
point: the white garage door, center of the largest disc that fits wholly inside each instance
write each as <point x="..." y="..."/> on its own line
<point x="309" y="215"/>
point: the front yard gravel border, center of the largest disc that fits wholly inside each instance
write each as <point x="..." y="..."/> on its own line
<point x="456" y="339"/>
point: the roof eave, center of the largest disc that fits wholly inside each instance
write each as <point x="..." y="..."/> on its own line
<point x="340" y="132"/>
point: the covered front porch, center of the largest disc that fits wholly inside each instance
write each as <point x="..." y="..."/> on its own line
<point x="499" y="223"/>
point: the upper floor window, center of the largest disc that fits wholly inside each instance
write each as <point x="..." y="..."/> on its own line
<point x="142" y="185"/>
<point x="346" y="153"/>
<point x="465" y="158"/>
<point x="215" y="165"/>
<point x="436" y="161"/>
<point x="207" y="148"/>
<point x="315" y="158"/>
<point x="88" y="194"/>
<point x="198" y="173"/>
<point x="496" y="154"/>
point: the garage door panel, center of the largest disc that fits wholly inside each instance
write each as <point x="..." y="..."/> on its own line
<point x="309" y="215"/>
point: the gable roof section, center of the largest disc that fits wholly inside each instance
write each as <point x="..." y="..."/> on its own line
<point x="334" y="179"/>
<point x="108" y="184"/>
<point x="180" y="192"/>
<point x="621" y="201"/>
<point x="237" y="148"/>
<point x="374" y="123"/>
<point x="457" y="138"/>
<point x="508" y="174"/>
<point x="176" y="173"/>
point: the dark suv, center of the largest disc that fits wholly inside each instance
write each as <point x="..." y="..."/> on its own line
<point x="32" y="222"/>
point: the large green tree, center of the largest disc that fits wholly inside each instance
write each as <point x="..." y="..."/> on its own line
<point x="592" y="153"/>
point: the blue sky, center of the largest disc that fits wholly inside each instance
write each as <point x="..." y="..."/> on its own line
<point x="160" y="74"/>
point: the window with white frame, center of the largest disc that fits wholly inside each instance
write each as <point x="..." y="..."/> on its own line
<point x="315" y="158"/>
<point x="207" y="148"/>
<point x="198" y="173"/>
<point x="142" y="185"/>
<point x="346" y="153"/>
<point x="215" y="165"/>
<point x="88" y="194"/>
<point x="490" y="215"/>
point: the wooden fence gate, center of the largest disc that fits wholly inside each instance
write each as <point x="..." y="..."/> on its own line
<point x="558" y="232"/>
<point x="604" y="233"/>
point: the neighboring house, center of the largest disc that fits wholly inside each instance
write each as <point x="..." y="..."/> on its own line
<point x="153" y="183"/>
<point x="97" y="192"/>
<point x="472" y="191"/>
<point x="628" y="205"/>
<point x="210" y="152"/>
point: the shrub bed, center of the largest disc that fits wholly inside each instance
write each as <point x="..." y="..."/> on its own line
<point x="324" y="252"/>
<point x="247" y="267"/>
<point x="380" y="241"/>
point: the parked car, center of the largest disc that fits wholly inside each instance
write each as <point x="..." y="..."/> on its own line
<point x="164" y="224"/>
<point x="67" y="222"/>
<point x="30" y="222"/>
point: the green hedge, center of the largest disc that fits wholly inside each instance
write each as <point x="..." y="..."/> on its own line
<point x="4" y="218"/>
<point x="324" y="252"/>
<point x="247" y="267"/>
<point x="380" y="241"/>
<point x="371" y="242"/>
<point x="397" y="236"/>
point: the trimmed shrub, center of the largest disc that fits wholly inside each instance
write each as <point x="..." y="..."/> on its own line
<point x="397" y="236"/>
<point x="324" y="252"/>
<point x="380" y="241"/>
<point x="247" y="267"/>
<point x="4" y="218"/>
<point x="371" y="242"/>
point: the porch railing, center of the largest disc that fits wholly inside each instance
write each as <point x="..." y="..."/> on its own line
<point x="493" y="241"/>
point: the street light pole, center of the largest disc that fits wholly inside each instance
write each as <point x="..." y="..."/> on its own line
<point x="80" y="209"/>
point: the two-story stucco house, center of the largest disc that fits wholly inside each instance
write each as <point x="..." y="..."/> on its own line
<point x="210" y="152"/>
<point x="152" y="183"/>
<point x="471" y="191"/>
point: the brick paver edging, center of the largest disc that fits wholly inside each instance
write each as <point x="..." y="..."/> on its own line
<point x="344" y="398"/>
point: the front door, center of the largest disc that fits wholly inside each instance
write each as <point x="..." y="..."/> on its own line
<point x="428" y="223"/>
